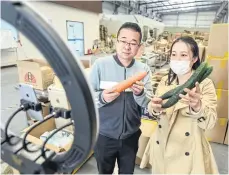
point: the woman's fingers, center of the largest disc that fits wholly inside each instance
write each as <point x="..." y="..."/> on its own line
<point x="156" y="100"/>
<point x="156" y="105"/>
<point x="197" y="87"/>
<point x="184" y="97"/>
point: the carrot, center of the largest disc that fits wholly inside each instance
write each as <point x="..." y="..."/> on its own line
<point x="129" y="82"/>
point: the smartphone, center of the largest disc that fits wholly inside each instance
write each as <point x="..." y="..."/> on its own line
<point x="28" y="93"/>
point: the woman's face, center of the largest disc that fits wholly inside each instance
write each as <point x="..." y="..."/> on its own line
<point x="182" y="52"/>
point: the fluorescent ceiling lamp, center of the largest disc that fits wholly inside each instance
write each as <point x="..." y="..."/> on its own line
<point x="180" y="1"/>
<point x="175" y="1"/>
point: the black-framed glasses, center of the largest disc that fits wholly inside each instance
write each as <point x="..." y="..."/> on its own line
<point x="130" y="44"/>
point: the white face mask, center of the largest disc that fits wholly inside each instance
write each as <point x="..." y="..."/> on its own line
<point x="180" y="67"/>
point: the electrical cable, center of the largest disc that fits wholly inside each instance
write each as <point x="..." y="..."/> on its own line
<point x="32" y="128"/>
<point x="7" y="138"/>
<point x="49" y="137"/>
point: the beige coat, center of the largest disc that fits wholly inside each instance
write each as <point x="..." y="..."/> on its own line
<point x="179" y="144"/>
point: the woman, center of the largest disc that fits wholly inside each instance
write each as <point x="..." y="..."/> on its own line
<point x="179" y="145"/>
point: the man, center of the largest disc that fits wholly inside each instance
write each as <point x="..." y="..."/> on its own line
<point x="120" y="113"/>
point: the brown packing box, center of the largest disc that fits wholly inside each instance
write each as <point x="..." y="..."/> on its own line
<point x="206" y="36"/>
<point x="219" y="75"/>
<point x="15" y="171"/>
<point x="218" y="40"/>
<point x="222" y="103"/>
<point x="201" y="52"/>
<point x="36" y="73"/>
<point x="86" y="63"/>
<point x="35" y="134"/>
<point x="139" y="160"/>
<point x="61" y="122"/>
<point x="205" y="43"/>
<point x="205" y="53"/>
<point x="226" y="138"/>
<point x="217" y="134"/>
<point x="57" y="83"/>
<point x="148" y="127"/>
<point x="48" y="125"/>
<point x="143" y="141"/>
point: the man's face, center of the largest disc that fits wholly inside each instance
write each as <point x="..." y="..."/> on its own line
<point x="128" y="44"/>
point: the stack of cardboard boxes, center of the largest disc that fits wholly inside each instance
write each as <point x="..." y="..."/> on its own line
<point x="206" y="38"/>
<point x="39" y="74"/>
<point x="147" y="127"/>
<point x="217" y="56"/>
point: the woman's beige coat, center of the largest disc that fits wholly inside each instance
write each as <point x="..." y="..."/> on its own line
<point x="179" y="144"/>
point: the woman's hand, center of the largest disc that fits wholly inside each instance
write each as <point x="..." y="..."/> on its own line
<point x="193" y="98"/>
<point x="156" y="104"/>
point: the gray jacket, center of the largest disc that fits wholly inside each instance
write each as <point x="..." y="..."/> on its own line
<point x="120" y="118"/>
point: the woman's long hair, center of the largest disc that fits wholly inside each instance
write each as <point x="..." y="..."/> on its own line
<point x="195" y="51"/>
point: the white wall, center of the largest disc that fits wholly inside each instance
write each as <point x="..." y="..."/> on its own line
<point x="58" y="15"/>
<point x="194" y="20"/>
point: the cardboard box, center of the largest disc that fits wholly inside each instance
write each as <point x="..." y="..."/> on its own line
<point x="205" y="43"/>
<point x="217" y="134"/>
<point x="222" y="103"/>
<point x="143" y="141"/>
<point x="15" y="171"/>
<point x="205" y="53"/>
<point x="61" y="122"/>
<point x="219" y="74"/>
<point x="35" y="134"/>
<point x="57" y="83"/>
<point x="201" y="52"/>
<point x="36" y="73"/>
<point x="218" y="40"/>
<point x="138" y="162"/>
<point x="86" y="63"/>
<point x="148" y="127"/>
<point x="140" y="52"/>
<point x="206" y="36"/>
<point x="49" y="125"/>
<point x="226" y="138"/>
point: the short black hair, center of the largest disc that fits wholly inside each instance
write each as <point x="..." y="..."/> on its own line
<point x="133" y="26"/>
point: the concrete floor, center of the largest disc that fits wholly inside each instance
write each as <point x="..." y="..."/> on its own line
<point x="10" y="101"/>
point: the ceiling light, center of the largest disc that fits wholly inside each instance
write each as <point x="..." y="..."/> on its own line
<point x="175" y="1"/>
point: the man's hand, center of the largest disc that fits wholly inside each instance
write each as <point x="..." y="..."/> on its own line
<point x="109" y="95"/>
<point x="137" y="88"/>
<point x="156" y="104"/>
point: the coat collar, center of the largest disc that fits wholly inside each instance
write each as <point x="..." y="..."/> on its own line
<point x="120" y="64"/>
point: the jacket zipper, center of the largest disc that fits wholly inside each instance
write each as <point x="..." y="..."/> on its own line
<point x="124" y="108"/>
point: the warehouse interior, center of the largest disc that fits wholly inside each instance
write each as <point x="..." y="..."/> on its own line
<point x="89" y="29"/>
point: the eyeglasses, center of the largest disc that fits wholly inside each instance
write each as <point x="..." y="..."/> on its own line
<point x="124" y="43"/>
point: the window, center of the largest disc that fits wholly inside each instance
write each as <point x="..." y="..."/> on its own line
<point x="75" y="37"/>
